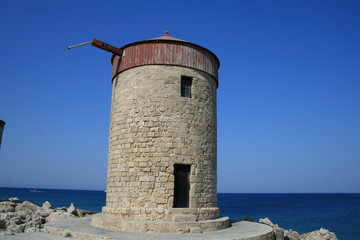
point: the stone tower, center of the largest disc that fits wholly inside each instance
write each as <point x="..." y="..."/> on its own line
<point x="162" y="150"/>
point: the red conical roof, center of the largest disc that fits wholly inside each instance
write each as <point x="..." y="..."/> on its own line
<point x="166" y="50"/>
<point x="167" y="37"/>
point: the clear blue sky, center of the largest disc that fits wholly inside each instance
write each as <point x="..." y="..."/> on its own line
<point x="288" y="100"/>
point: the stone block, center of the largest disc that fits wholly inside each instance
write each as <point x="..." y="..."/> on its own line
<point x="183" y="210"/>
<point x="184" y="218"/>
<point x="183" y="230"/>
<point x="195" y="230"/>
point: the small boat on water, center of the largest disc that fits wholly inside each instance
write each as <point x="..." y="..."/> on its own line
<point x="34" y="190"/>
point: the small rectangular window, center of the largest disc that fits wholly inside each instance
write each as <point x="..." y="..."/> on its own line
<point x="186" y="86"/>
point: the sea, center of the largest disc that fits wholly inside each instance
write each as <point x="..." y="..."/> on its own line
<point x="339" y="213"/>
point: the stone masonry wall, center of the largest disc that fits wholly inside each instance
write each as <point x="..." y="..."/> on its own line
<point x="152" y="128"/>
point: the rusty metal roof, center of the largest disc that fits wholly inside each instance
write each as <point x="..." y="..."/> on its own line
<point x="166" y="50"/>
<point x="167" y="37"/>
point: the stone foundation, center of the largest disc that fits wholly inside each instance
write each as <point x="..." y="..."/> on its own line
<point x="180" y="225"/>
<point x="80" y="228"/>
<point x="162" y="214"/>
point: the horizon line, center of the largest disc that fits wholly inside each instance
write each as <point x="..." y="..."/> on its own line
<point x="217" y="192"/>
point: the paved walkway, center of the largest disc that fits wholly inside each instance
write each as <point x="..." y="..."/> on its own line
<point x="34" y="236"/>
<point x="80" y="228"/>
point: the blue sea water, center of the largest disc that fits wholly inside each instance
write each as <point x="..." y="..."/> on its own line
<point x="340" y="213"/>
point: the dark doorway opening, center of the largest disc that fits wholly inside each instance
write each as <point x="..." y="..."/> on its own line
<point x="181" y="185"/>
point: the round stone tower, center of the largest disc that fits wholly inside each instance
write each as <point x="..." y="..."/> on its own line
<point x="162" y="150"/>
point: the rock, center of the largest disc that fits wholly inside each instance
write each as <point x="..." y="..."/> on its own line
<point x="266" y="221"/>
<point x="61" y="209"/>
<point x="6" y="208"/>
<point x="271" y="224"/>
<point x="32" y="229"/>
<point x="46" y="205"/>
<point x="291" y="235"/>
<point x="58" y="216"/>
<point x="26" y="205"/>
<point x="322" y="234"/>
<point x="45" y="212"/>
<point x="17" y="228"/>
<point x="279" y="234"/>
<point x="22" y="221"/>
<point x="25" y="214"/>
<point x="83" y="213"/>
<point x="14" y="199"/>
<point x="36" y="222"/>
<point x="72" y="209"/>
<point x="29" y="217"/>
<point x="8" y="203"/>
<point x="7" y="216"/>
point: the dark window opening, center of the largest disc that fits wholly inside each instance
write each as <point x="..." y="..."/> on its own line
<point x="181" y="185"/>
<point x="186" y="86"/>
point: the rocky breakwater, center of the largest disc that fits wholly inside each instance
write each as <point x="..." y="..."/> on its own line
<point x="282" y="234"/>
<point x="18" y="217"/>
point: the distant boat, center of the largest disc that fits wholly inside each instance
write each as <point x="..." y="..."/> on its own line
<point x="34" y="190"/>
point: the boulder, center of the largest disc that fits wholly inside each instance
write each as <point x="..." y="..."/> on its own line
<point x="72" y="209"/>
<point x="322" y="234"/>
<point x="7" y="206"/>
<point x="291" y="235"/>
<point x="22" y="221"/>
<point x="45" y="212"/>
<point x="32" y="229"/>
<point x="29" y="217"/>
<point x="6" y="209"/>
<point x="7" y="203"/>
<point x="83" y="213"/>
<point x="14" y="199"/>
<point x="270" y="223"/>
<point x="266" y="221"/>
<point x="58" y="216"/>
<point x="24" y="214"/>
<point x="16" y="228"/>
<point x="7" y="216"/>
<point x="61" y="209"/>
<point x="46" y="205"/>
<point x="27" y="205"/>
